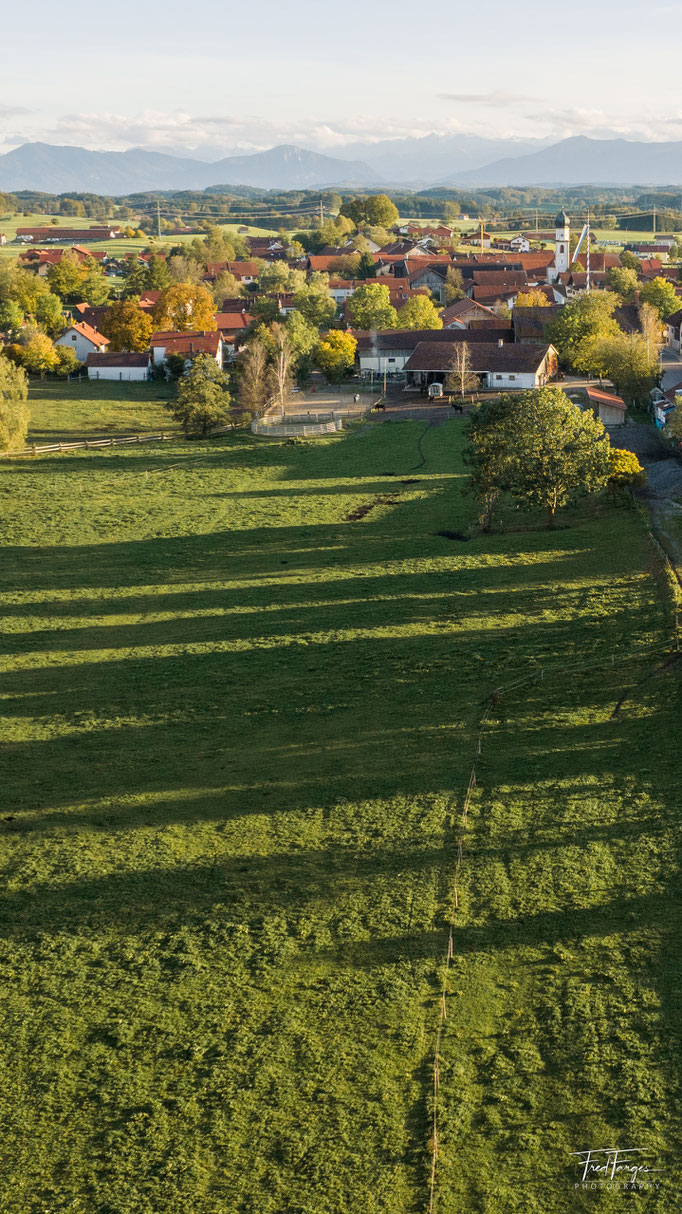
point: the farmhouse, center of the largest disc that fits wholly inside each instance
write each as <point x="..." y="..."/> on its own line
<point x="123" y="366"/>
<point x="163" y="344"/>
<point x="83" y="340"/>
<point x="498" y="365"/>
<point x="389" y="352"/>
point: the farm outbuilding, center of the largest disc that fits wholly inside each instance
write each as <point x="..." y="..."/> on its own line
<point x="124" y="366"/>
<point x="609" y="408"/>
<point x="501" y="365"/>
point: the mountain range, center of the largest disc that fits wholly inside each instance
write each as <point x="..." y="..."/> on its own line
<point x="55" y="169"/>
<point x="432" y="160"/>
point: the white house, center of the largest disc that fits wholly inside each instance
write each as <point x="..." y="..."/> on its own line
<point x="520" y="244"/>
<point x="83" y="340"/>
<point x="124" y="366"/>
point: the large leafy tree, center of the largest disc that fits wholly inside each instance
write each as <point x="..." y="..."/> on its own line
<point x="14" y="412"/>
<point x="335" y="354"/>
<point x="419" y="313"/>
<point x="628" y="360"/>
<point x="39" y="355"/>
<point x="202" y="401"/>
<point x="370" y="307"/>
<point x="66" y="277"/>
<point x="623" y="280"/>
<point x="303" y="337"/>
<point x="126" y="326"/>
<point x="540" y="447"/>
<point x="588" y="316"/>
<point x="662" y="296"/>
<point x="184" y="307"/>
<point x="373" y="209"/>
<point x="315" y="304"/>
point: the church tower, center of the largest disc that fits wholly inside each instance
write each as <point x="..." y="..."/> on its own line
<point x="563" y="243"/>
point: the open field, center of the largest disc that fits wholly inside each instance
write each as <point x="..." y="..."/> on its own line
<point x="241" y="712"/>
<point x="73" y="409"/>
<point x="118" y="248"/>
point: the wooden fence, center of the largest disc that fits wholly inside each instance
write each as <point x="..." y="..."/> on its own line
<point x="50" y="448"/>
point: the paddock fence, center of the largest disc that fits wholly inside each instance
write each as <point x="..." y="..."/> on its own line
<point x="86" y="444"/>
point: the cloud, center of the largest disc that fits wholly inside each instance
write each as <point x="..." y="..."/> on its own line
<point x="495" y="99"/>
<point x="13" y="111"/>
<point x="208" y="136"/>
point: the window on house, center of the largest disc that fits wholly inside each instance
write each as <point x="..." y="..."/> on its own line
<point x="512" y="377"/>
<point x="74" y="337"/>
<point x="498" y="377"/>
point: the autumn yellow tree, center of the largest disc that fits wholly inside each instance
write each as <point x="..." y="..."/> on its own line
<point x="534" y="298"/>
<point x="126" y="326"/>
<point x="184" y="307"/>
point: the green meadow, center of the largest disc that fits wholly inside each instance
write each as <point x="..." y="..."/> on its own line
<point x="242" y="692"/>
<point x="68" y="410"/>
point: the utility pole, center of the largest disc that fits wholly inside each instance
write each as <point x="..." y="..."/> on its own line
<point x="158" y="217"/>
<point x="537" y="229"/>
<point x="321" y="215"/>
<point x="654" y="219"/>
<point x="481" y="235"/>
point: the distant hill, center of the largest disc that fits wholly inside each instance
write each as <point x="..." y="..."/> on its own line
<point x="583" y="161"/>
<point x="54" y="169"/>
<point x="432" y="160"/>
<point x="429" y="158"/>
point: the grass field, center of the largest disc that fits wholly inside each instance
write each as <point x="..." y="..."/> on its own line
<point x="73" y="409"/>
<point x="118" y="248"/>
<point x="239" y="729"/>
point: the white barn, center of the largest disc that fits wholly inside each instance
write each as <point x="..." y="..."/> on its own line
<point x="123" y="366"/>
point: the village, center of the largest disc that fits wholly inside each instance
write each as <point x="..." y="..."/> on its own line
<point x="414" y="311"/>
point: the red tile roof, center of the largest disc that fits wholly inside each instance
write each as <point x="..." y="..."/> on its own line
<point x="86" y="330"/>
<point x="231" y="321"/>
<point x="199" y="342"/>
<point x="605" y="398"/>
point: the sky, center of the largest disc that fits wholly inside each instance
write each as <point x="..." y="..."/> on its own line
<point x="223" y="78"/>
